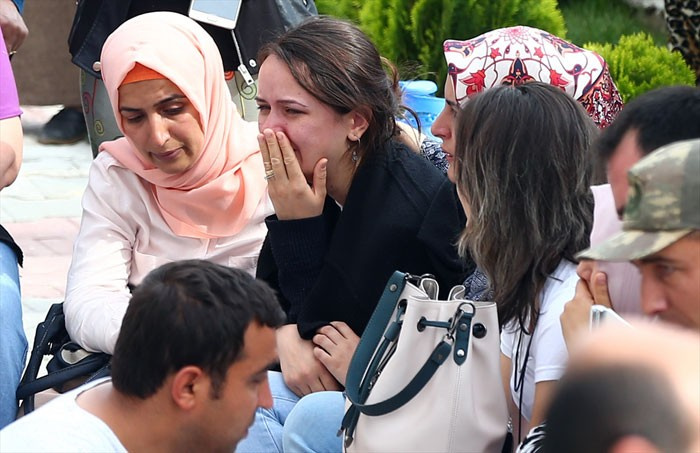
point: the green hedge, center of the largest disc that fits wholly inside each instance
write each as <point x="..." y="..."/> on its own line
<point x="411" y="32"/>
<point x="637" y="65"/>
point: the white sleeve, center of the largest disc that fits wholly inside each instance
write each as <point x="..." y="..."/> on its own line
<point x="97" y="295"/>
<point x="549" y="348"/>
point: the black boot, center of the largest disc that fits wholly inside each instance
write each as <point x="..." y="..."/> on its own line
<point x="65" y="127"/>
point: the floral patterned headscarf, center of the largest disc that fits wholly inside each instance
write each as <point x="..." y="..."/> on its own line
<point x="517" y="55"/>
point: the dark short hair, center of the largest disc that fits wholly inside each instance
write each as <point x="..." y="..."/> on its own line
<point x="594" y="408"/>
<point x="523" y="164"/>
<point x="192" y="312"/>
<point x="661" y="116"/>
<point x="339" y="65"/>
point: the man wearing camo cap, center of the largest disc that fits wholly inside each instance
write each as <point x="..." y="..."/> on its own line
<point x="661" y="232"/>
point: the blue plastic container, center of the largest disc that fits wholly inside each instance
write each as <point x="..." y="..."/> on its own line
<point x="419" y="96"/>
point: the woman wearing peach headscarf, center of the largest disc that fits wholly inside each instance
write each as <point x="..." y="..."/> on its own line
<point x="185" y="181"/>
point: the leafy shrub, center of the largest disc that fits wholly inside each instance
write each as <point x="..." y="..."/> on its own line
<point x="412" y="31"/>
<point x="347" y="9"/>
<point x="637" y="65"/>
<point x="434" y="21"/>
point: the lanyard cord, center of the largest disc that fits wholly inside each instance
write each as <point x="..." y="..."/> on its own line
<point x="519" y="378"/>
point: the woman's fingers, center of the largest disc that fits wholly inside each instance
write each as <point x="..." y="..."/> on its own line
<point x="289" y="159"/>
<point x="343" y="329"/>
<point x="319" y="183"/>
<point x="265" y="152"/>
<point x="329" y="382"/>
<point x="275" y="155"/>
<point x="324" y="342"/>
<point x="289" y="190"/>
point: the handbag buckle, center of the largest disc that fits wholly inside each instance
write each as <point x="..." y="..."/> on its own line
<point x="460" y="331"/>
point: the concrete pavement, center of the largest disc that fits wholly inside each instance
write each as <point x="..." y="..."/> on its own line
<point x="42" y="212"/>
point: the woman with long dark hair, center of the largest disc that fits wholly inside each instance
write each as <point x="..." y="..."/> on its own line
<point x="523" y="169"/>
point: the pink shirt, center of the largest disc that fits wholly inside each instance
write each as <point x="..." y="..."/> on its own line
<point x="122" y="237"/>
<point x="624" y="280"/>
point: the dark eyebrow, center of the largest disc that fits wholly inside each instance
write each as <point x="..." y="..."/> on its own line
<point x="655" y="259"/>
<point x="282" y="101"/>
<point x="171" y="98"/>
<point x="453" y="104"/>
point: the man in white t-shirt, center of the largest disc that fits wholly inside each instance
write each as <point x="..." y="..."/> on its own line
<point x="188" y="372"/>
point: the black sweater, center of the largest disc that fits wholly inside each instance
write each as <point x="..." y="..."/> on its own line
<point x="401" y="213"/>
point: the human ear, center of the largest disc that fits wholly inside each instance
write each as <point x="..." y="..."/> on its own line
<point x="187" y="386"/>
<point x="359" y="122"/>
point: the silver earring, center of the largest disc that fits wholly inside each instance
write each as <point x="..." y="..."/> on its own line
<point x="354" y="155"/>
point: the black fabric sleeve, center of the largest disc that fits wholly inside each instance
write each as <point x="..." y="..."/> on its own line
<point x="298" y="248"/>
<point x="7" y="239"/>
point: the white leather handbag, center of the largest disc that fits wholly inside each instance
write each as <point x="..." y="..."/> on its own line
<point x="425" y="376"/>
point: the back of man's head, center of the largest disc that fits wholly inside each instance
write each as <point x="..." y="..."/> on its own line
<point x="659" y="117"/>
<point x="596" y="408"/>
<point x="629" y="386"/>
<point x="188" y="313"/>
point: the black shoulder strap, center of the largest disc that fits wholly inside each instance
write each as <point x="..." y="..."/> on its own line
<point x="50" y="336"/>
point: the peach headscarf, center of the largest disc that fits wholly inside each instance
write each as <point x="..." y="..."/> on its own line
<point x="222" y="190"/>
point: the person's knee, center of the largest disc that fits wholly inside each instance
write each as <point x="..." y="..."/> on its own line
<point x="313" y="424"/>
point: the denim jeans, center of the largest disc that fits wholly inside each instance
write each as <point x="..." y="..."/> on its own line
<point x="13" y="343"/>
<point x="265" y="435"/>
<point x="295" y="425"/>
<point x="313" y="424"/>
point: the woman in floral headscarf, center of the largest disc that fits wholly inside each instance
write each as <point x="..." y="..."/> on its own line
<point x="186" y="181"/>
<point x="516" y="56"/>
<point x="513" y="56"/>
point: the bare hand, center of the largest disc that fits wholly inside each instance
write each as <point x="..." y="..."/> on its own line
<point x="289" y="191"/>
<point x="14" y="30"/>
<point x="336" y="343"/>
<point x="597" y="282"/>
<point x="592" y="288"/>
<point x="302" y="372"/>
<point x="576" y="315"/>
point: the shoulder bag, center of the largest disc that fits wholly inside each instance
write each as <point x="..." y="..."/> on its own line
<point x="426" y="374"/>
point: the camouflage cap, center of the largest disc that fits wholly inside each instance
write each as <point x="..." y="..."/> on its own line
<point x="663" y="204"/>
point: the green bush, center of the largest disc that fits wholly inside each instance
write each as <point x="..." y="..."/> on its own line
<point x="411" y="32"/>
<point x="434" y="21"/>
<point x="637" y="65"/>
<point x="339" y="8"/>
